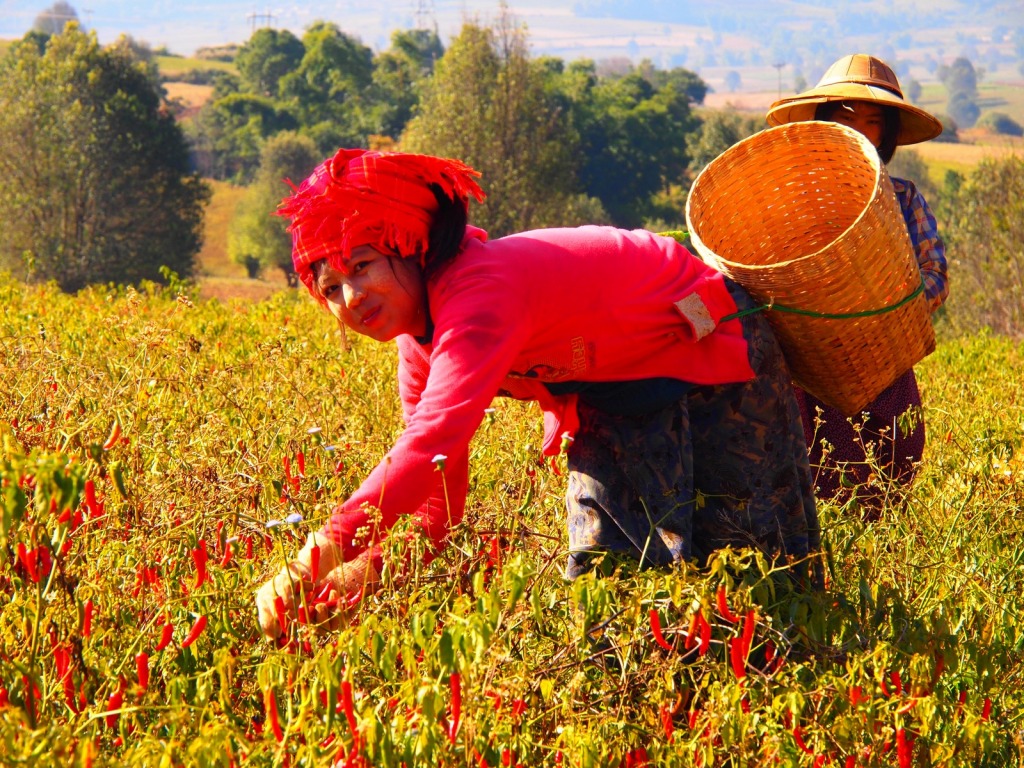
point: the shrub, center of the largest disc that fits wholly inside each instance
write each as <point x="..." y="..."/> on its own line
<point x="1001" y="123"/>
<point x="982" y="222"/>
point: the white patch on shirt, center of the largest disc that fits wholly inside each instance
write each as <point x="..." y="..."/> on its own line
<point x="695" y="312"/>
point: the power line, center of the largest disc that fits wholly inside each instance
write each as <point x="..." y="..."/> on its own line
<point x="259" y="20"/>
<point x="778" y="66"/>
<point x="423" y="14"/>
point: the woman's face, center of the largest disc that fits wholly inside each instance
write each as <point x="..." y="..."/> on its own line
<point x="862" y="116"/>
<point x="382" y="296"/>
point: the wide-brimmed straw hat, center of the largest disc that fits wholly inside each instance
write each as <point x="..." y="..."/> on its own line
<point x="858" y="78"/>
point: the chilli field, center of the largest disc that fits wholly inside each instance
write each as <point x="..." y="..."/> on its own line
<point x="162" y="455"/>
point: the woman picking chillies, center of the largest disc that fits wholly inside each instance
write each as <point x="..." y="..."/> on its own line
<point x="630" y="345"/>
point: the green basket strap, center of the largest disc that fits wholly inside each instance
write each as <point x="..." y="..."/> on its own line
<point x="826" y="315"/>
<point x="680" y="235"/>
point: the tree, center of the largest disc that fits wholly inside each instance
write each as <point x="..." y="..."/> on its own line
<point x="53" y="20"/>
<point x="912" y="90"/>
<point x="230" y="132"/>
<point x="908" y="164"/>
<point x="949" y="129"/>
<point x="719" y="130"/>
<point x="256" y="238"/>
<point x="733" y="80"/>
<point x="486" y="104"/>
<point x="398" y="75"/>
<point x="329" y="89"/>
<point x="963" y="109"/>
<point x="266" y="58"/>
<point x="632" y="137"/>
<point x="961" y="81"/>
<point x="98" y="182"/>
<point x="983" y="223"/>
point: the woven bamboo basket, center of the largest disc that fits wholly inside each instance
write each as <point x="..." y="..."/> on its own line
<point x="805" y="218"/>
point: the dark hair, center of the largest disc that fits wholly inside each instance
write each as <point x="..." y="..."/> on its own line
<point x="890" y="124"/>
<point x="446" y="232"/>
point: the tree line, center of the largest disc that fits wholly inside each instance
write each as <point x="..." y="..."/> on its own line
<point x="557" y="143"/>
<point x="105" y="185"/>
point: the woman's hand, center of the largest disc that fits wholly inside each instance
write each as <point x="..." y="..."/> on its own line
<point x="315" y="587"/>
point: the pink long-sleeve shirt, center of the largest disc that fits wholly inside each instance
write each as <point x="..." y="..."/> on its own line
<point x="586" y="304"/>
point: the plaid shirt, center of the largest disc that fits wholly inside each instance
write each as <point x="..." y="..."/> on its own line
<point x="928" y="246"/>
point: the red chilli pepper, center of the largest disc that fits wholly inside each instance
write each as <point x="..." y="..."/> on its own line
<point x="280" y="613"/>
<point x="659" y="638"/>
<point x="903" y="748"/>
<point x="518" y="708"/>
<point x="114" y="703"/>
<point x="314" y="563"/>
<point x="723" y="606"/>
<point x="28" y="562"/>
<point x="986" y="709"/>
<point x="705" y="635"/>
<point x="196" y="631"/>
<point x="737" y="658"/>
<point x="798" y="735"/>
<point x="94" y="507"/>
<point x="165" y="635"/>
<point x="455" y="681"/>
<point x="199" y="557"/>
<point x="691" y="632"/>
<point x="275" y="722"/>
<point x="87" y="612"/>
<point x="897" y="682"/>
<point x="346" y="705"/>
<point x="856" y="695"/>
<point x="666" y="721"/>
<point x="749" y="624"/>
<point x="142" y="669"/>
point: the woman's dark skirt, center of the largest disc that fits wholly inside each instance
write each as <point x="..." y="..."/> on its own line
<point x="874" y="455"/>
<point x="725" y="465"/>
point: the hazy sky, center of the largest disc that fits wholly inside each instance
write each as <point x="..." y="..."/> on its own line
<point x="184" y="25"/>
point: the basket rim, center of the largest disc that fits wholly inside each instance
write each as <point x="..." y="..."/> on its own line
<point x="810" y="125"/>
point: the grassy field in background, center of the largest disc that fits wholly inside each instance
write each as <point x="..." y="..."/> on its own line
<point x="219" y="277"/>
<point x="175" y="65"/>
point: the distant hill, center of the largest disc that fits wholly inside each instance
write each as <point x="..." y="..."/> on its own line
<point x="737" y="47"/>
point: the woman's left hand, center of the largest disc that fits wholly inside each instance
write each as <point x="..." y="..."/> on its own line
<point x="318" y="579"/>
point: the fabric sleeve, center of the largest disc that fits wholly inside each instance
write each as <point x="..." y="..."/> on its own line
<point x="928" y="246"/>
<point x="479" y="328"/>
<point x="354" y="526"/>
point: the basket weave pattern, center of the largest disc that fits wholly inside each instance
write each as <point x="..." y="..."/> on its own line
<point x="804" y="216"/>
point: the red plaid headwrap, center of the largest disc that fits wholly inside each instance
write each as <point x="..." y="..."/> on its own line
<point x="379" y="199"/>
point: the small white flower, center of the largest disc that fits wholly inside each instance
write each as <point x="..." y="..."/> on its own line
<point x="439" y="458"/>
<point x="330" y="447"/>
<point x="293" y="519"/>
<point x="314" y="431"/>
<point x="274" y="523"/>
